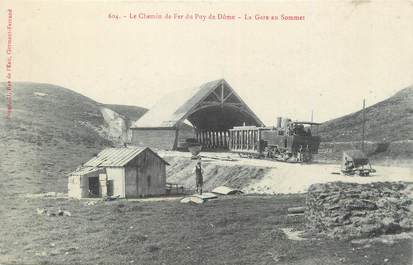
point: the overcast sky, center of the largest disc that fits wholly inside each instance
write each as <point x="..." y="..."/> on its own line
<point x="339" y="54"/>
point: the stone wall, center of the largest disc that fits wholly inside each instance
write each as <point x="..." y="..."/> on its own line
<point x="348" y="210"/>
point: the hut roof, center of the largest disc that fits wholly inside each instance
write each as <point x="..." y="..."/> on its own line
<point x="174" y="108"/>
<point x="118" y="157"/>
<point x="80" y="171"/>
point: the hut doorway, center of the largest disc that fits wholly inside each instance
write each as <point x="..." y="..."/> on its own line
<point x="93" y="186"/>
<point x="109" y="187"/>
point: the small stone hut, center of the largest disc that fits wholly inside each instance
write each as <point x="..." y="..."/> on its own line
<point x="127" y="172"/>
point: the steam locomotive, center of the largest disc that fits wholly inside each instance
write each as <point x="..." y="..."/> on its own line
<point x="287" y="141"/>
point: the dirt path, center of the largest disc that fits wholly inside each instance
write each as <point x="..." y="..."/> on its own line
<point x="278" y="177"/>
<point x="288" y="178"/>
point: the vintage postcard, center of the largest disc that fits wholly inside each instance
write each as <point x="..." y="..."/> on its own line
<point x="206" y="132"/>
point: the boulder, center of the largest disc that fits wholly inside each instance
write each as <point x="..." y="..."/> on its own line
<point x="193" y="200"/>
<point x="223" y="190"/>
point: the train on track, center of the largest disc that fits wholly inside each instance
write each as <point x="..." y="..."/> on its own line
<point x="288" y="141"/>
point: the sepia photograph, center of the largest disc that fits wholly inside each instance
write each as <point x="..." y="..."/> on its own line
<point x="206" y="132"/>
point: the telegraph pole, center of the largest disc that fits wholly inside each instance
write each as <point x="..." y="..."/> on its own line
<point x="312" y="120"/>
<point x="364" y="125"/>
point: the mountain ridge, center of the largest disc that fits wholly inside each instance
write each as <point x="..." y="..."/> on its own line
<point x="52" y="130"/>
<point x="386" y="121"/>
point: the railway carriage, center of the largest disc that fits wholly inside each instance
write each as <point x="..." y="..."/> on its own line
<point x="288" y="141"/>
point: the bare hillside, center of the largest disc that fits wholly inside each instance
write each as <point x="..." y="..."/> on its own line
<point x="51" y="131"/>
<point x="387" y="121"/>
<point x="389" y="131"/>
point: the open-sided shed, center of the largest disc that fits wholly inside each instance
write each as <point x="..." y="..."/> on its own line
<point x="126" y="172"/>
<point x="212" y="109"/>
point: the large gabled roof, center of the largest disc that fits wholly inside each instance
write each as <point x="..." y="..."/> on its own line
<point x="174" y="108"/>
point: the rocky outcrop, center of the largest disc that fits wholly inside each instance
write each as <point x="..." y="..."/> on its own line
<point x="116" y="128"/>
<point x="348" y="210"/>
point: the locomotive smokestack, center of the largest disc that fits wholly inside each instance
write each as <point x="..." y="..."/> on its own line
<point x="278" y="122"/>
<point x="285" y="122"/>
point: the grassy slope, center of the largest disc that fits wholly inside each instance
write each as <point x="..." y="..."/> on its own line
<point x="389" y="131"/>
<point x="46" y="137"/>
<point x="233" y="230"/>
<point x="388" y="120"/>
<point x="49" y="136"/>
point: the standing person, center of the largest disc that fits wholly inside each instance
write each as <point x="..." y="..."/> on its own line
<point x="199" y="176"/>
<point x="300" y="154"/>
